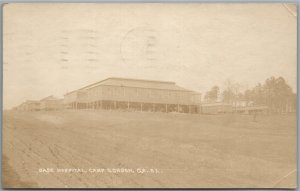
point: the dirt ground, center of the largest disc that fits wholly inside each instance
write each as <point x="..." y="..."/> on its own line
<point x="114" y="149"/>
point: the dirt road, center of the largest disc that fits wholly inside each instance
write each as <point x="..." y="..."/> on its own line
<point x="109" y="149"/>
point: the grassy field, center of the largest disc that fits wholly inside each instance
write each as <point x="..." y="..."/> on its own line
<point x="158" y="150"/>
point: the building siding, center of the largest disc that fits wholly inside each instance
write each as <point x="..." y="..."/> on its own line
<point x="115" y="92"/>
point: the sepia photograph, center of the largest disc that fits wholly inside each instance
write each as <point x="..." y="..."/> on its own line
<point x="149" y="95"/>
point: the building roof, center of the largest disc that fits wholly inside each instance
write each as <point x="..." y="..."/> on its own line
<point x="31" y="101"/>
<point x="49" y="98"/>
<point x="256" y="107"/>
<point x="216" y="104"/>
<point x="138" y="83"/>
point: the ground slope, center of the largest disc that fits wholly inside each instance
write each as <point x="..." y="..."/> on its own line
<point x="176" y="150"/>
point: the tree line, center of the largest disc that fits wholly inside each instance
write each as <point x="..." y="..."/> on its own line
<point x="274" y="93"/>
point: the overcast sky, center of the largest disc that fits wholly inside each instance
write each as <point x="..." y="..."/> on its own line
<point x="50" y="49"/>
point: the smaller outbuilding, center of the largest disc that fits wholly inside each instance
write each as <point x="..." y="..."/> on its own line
<point x="51" y="103"/>
<point x="258" y="109"/>
<point x="29" y="105"/>
<point x="216" y="108"/>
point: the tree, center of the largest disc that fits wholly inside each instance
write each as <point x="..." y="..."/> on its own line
<point x="212" y="95"/>
<point x="228" y="96"/>
<point x="274" y="93"/>
<point x="231" y="93"/>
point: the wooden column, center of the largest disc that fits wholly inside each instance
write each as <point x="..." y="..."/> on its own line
<point x="166" y="108"/>
<point x="141" y="106"/>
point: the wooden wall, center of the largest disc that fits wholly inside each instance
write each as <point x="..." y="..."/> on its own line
<point x="145" y="95"/>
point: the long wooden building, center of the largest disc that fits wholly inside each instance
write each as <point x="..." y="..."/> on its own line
<point x="239" y="107"/>
<point x="51" y="103"/>
<point x="46" y="104"/>
<point x="216" y="108"/>
<point x="134" y="94"/>
<point x="29" y="105"/>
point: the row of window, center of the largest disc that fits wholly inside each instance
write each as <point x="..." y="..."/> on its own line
<point x="136" y="92"/>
